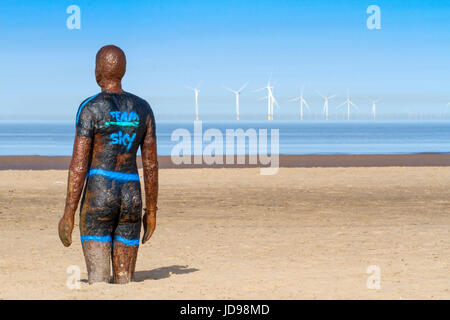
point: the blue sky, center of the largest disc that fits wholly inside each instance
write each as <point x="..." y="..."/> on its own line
<point x="47" y="69"/>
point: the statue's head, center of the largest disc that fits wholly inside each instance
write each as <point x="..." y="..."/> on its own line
<point x="110" y="65"/>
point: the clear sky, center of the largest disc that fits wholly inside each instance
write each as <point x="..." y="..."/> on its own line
<point x="47" y="69"/>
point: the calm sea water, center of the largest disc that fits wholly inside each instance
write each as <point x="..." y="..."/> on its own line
<point x="346" y="137"/>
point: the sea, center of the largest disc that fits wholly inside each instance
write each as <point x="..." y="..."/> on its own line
<point x="292" y="137"/>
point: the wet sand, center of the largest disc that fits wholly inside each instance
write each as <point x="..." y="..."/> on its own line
<point x="232" y="233"/>
<point x="285" y="161"/>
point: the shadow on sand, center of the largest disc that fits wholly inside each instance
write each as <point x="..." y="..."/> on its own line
<point x="161" y="273"/>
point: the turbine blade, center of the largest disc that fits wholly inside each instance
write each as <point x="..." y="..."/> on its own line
<point x="275" y="101"/>
<point x="231" y="90"/>
<point x="320" y="94"/>
<point x="306" y="103"/>
<point x="343" y="103"/>
<point x="260" y="89"/>
<point x="243" y="87"/>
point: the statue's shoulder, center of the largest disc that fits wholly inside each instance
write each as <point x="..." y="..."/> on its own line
<point x="85" y="106"/>
<point x="90" y="100"/>
<point x="141" y="103"/>
<point x="138" y="100"/>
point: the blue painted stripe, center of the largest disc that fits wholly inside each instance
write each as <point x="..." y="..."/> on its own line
<point x="96" y="238"/>
<point x="132" y="242"/>
<point x="84" y="103"/>
<point x="115" y="175"/>
<point x="122" y="124"/>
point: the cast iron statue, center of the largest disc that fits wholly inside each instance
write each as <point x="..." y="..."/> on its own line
<point x="110" y="127"/>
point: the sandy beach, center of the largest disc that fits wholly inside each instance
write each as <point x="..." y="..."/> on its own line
<point x="305" y="233"/>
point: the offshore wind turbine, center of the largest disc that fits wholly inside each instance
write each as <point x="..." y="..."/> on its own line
<point x="349" y="103"/>
<point x="374" y="108"/>
<point x="274" y="101"/>
<point x="196" y="91"/>
<point x="325" y="104"/>
<point x="270" y="99"/>
<point x="237" y="93"/>
<point x="302" y="102"/>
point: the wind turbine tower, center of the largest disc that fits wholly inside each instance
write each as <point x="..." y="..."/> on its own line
<point x="273" y="101"/>
<point x="325" y="104"/>
<point x="302" y="102"/>
<point x="270" y="100"/>
<point x="374" y="108"/>
<point x="196" y="91"/>
<point x="237" y="93"/>
<point x="349" y="103"/>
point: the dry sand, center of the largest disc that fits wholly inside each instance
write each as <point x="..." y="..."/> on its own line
<point x="232" y="233"/>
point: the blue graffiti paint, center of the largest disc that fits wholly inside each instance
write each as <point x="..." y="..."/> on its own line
<point x="132" y="242"/>
<point x="96" y="238"/>
<point x="114" y="175"/>
<point x="123" y="139"/>
<point x="124" y="116"/>
<point x="131" y="141"/>
<point x="122" y="124"/>
<point x="115" y="137"/>
<point x="84" y="103"/>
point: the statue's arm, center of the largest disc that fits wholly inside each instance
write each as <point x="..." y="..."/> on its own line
<point x="77" y="174"/>
<point x="150" y="164"/>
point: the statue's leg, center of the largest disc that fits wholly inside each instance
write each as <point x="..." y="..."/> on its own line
<point x="124" y="261"/>
<point x="98" y="215"/>
<point x="97" y="256"/>
<point x="126" y="239"/>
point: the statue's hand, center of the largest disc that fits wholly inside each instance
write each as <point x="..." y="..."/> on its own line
<point x="149" y="222"/>
<point x="65" y="228"/>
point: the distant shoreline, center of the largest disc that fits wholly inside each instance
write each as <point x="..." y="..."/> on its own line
<point x="293" y="161"/>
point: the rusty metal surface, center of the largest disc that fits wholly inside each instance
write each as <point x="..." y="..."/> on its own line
<point x="109" y="131"/>
<point x="124" y="262"/>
